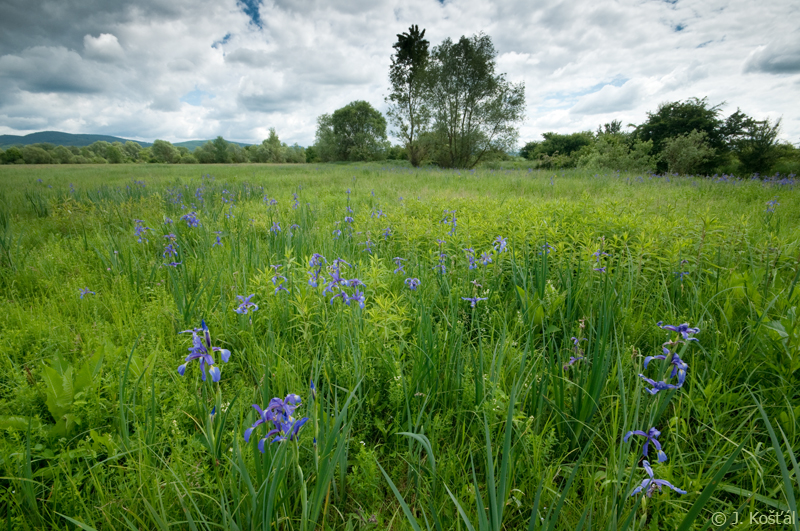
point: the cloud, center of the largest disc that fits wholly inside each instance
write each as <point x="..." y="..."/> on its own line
<point x="781" y="56"/>
<point x="51" y="69"/>
<point x="610" y="99"/>
<point x="104" y="48"/>
<point x="248" y="57"/>
<point x="139" y="69"/>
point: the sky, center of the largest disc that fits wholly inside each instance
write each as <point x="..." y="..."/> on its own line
<point x="195" y="69"/>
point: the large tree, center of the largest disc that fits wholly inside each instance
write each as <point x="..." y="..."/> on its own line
<point x="680" y="118"/>
<point x="355" y="132"/>
<point x="475" y="110"/>
<point x="408" y="112"/>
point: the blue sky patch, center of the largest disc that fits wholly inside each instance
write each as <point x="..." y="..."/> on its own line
<point x="196" y="97"/>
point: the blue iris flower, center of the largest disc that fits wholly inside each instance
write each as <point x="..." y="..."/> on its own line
<point x="245" y="305"/>
<point x="657" y="386"/>
<point x="280" y="413"/>
<point x="649" y="485"/>
<point x="474" y="300"/>
<point x="412" y="283"/>
<point x="684" y="330"/>
<point x="651" y="436"/>
<point x="201" y="350"/>
<point x="499" y="244"/>
<point x="87" y="291"/>
<point x="679" y="367"/>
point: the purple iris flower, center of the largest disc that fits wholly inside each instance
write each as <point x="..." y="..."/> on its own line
<point x="412" y="283"/>
<point x="171" y="237"/>
<point x="397" y="261"/>
<point x="357" y="296"/>
<point x="173" y="264"/>
<point x="486" y="259"/>
<point x="651" y="436"/>
<point x="387" y="232"/>
<point x="683" y="329"/>
<point x="191" y="219"/>
<point x="600" y="269"/>
<point x="316" y="260"/>
<point x="140" y="230"/>
<point x="87" y="291"/>
<point x="280" y="413"/>
<point x="201" y="350"/>
<point x="679" y="367"/>
<point x="245" y="305"/>
<point x="348" y="219"/>
<point x="649" y="485"/>
<point x="170" y="250"/>
<point x="599" y="253"/>
<point x="474" y="300"/>
<point x="657" y="386"/>
<point x="276" y="227"/>
<point x="276" y="278"/>
<point x="168" y="221"/>
<point x="499" y="244"/>
<point x="281" y="288"/>
<point x="572" y="360"/>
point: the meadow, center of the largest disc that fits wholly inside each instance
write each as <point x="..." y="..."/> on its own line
<point x="427" y="349"/>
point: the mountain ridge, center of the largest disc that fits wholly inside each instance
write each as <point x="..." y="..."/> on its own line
<point x="59" y="138"/>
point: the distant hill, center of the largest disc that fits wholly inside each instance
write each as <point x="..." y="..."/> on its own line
<point x="67" y="139"/>
<point x="191" y="145"/>
<point x="60" y="139"/>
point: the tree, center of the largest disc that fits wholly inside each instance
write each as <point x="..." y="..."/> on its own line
<point x="474" y="109"/>
<point x="325" y="140"/>
<point x="680" y="118"/>
<point x="36" y="155"/>
<point x="355" y="132"/>
<point x="408" y="111"/>
<point x="220" y="150"/>
<point x="163" y="151"/>
<point x="61" y="155"/>
<point x="13" y="155"/>
<point x="685" y="154"/>
<point x="757" y="149"/>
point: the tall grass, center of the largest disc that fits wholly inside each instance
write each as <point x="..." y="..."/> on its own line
<point x="428" y="412"/>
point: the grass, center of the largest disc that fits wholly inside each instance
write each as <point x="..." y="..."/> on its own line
<point x="428" y="413"/>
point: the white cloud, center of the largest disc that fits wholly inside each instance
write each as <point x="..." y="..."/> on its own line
<point x="104" y="48"/>
<point x="104" y="66"/>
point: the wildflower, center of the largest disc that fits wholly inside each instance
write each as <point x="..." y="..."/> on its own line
<point x="651" y="436"/>
<point x="170" y="250"/>
<point x="358" y="296"/>
<point x="397" y="261"/>
<point x="171" y="237"/>
<point x="657" y="386"/>
<point x="649" y="485"/>
<point x="336" y="234"/>
<point x="281" y="288"/>
<point x="348" y="219"/>
<point x="600" y="269"/>
<point x="499" y="244"/>
<point x="680" y="274"/>
<point x="476" y="283"/>
<point x="191" y="219"/>
<point x="412" y="283"/>
<point x="772" y="204"/>
<point x="474" y="300"/>
<point x="168" y="221"/>
<point x="572" y="360"/>
<point x="280" y="413"/>
<point x="679" y="367"/>
<point x="140" y="230"/>
<point x="276" y="278"/>
<point x="87" y="291"/>
<point x="598" y="254"/>
<point x="547" y="248"/>
<point x="486" y="259"/>
<point x="201" y="350"/>
<point x="245" y="305"/>
<point x="313" y="389"/>
<point x="276" y="227"/>
<point x="387" y="232"/>
<point x="173" y="264"/>
<point x="294" y="226"/>
<point x="683" y="329"/>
